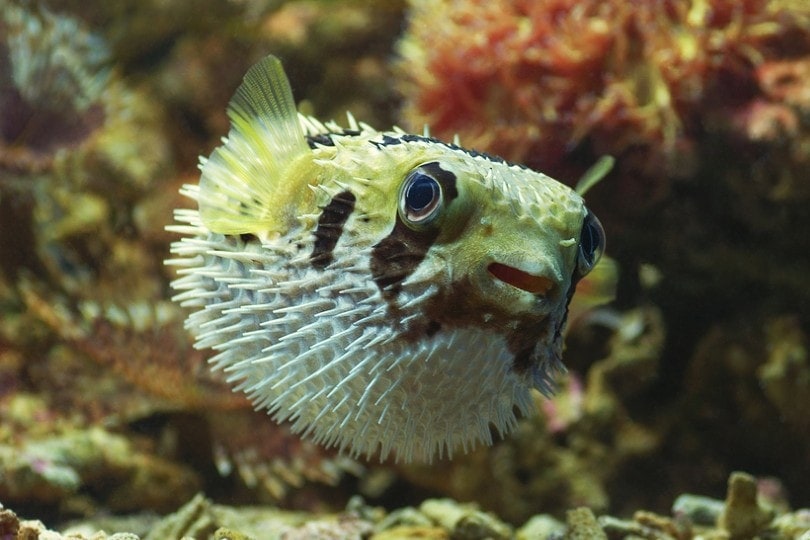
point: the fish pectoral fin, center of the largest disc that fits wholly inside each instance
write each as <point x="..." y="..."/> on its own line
<point x="241" y="187"/>
<point x="595" y="289"/>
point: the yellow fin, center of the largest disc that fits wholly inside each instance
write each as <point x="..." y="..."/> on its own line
<point x="592" y="176"/>
<point x="595" y="289"/>
<point x="241" y="187"/>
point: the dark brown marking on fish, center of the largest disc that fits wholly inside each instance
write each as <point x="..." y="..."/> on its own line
<point x="330" y="228"/>
<point x="550" y="334"/>
<point x="325" y="139"/>
<point x="396" y="256"/>
<point x="390" y="140"/>
<point x="533" y="338"/>
<point x="560" y="326"/>
<point x="445" y="178"/>
<point x="523" y="343"/>
<point x="523" y="360"/>
<point x="432" y="328"/>
<point x="572" y="288"/>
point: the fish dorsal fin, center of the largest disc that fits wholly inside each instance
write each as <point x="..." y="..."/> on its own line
<point x="241" y="183"/>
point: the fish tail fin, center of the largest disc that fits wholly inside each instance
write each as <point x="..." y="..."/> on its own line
<point x="240" y="181"/>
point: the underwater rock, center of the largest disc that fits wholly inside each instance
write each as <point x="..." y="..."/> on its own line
<point x="661" y="529"/>
<point x="785" y="376"/>
<point x="200" y="518"/>
<point x="749" y="371"/>
<point x="349" y="527"/>
<point x="742" y="516"/>
<point x="13" y="528"/>
<point x="464" y="521"/>
<point x="793" y="524"/>
<point x="408" y="517"/>
<point x="54" y="469"/>
<point x="195" y="519"/>
<point x="698" y="510"/>
<point x="581" y="524"/>
<point x="440" y="519"/>
<point x="541" y="526"/>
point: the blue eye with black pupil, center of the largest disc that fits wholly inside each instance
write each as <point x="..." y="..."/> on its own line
<point x="421" y="198"/>
<point x="421" y="192"/>
<point x="591" y="244"/>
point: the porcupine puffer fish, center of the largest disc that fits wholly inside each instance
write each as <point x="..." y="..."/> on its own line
<point x="383" y="292"/>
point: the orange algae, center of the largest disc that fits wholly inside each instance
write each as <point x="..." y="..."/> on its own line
<point x="539" y="81"/>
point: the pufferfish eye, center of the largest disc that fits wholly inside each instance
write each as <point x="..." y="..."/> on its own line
<point x="591" y="244"/>
<point x="420" y="197"/>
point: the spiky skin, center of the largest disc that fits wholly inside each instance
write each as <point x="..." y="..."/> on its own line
<point x="331" y="309"/>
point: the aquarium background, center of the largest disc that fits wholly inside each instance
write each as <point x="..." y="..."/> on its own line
<point x="694" y="381"/>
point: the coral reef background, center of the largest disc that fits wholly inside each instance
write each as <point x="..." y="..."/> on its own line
<point x="699" y="368"/>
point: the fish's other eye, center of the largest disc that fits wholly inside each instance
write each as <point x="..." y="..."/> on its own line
<point x="420" y="198"/>
<point x="591" y="244"/>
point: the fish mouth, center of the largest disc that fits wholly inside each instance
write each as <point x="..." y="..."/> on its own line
<point x="532" y="283"/>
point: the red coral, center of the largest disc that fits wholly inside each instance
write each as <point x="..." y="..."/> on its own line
<point x="535" y="81"/>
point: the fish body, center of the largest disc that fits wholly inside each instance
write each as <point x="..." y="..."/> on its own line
<point x="384" y="292"/>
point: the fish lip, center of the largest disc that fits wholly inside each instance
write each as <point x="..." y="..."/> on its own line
<point x="535" y="284"/>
